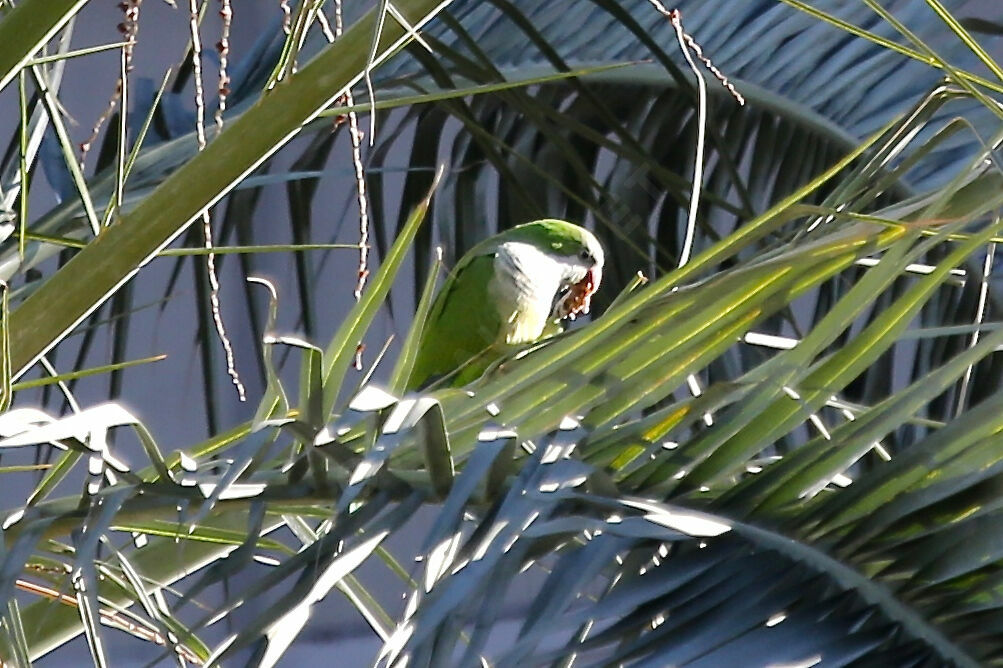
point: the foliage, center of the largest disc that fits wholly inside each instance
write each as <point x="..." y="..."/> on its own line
<point x="785" y="448"/>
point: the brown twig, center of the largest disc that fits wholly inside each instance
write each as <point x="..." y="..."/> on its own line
<point x="223" y="47"/>
<point x="109" y="618"/>
<point x="128" y="28"/>
<point x="676" y="18"/>
<point x="360" y="178"/>
<point x="214" y="303"/>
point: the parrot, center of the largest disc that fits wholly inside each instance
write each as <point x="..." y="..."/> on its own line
<point x="512" y="289"/>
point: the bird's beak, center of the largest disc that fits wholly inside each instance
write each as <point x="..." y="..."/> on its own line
<point x="594" y="278"/>
<point x="589" y="285"/>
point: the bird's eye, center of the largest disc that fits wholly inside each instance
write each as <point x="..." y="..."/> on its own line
<point x="585" y="255"/>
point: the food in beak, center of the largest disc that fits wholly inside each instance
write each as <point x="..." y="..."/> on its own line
<point x="578" y="297"/>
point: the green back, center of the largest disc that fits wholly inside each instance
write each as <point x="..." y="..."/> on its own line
<point x="462" y="327"/>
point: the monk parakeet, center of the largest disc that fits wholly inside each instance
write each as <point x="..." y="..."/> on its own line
<point x="511" y="289"/>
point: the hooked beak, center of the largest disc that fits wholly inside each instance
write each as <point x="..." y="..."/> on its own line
<point x="587" y="287"/>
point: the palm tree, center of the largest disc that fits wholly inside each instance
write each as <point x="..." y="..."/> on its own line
<point x="778" y="447"/>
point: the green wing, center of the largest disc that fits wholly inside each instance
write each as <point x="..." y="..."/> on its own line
<point x="462" y="328"/>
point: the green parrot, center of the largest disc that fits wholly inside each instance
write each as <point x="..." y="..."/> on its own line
<point x="507" y="291"/>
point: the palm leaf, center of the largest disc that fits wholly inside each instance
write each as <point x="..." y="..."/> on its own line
<point x="623" y="519"/>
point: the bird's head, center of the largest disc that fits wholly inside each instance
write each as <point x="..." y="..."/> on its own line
<point x="574" y="254"/>
<point x="582" y="276"/>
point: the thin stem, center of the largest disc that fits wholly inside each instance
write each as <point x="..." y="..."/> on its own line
<point x="210" y="258"/>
